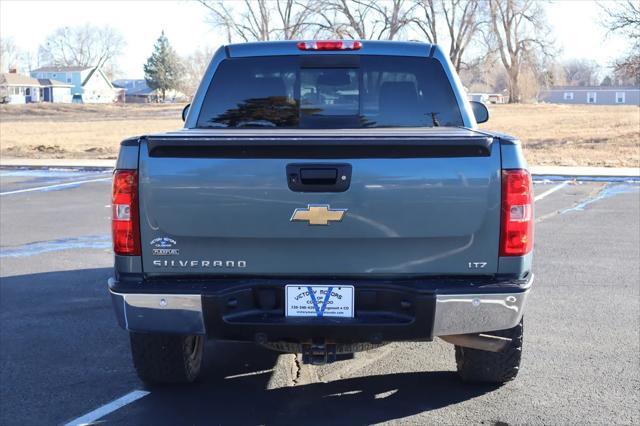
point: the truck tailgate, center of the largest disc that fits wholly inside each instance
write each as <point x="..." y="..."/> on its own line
<point x="421" y="202"/>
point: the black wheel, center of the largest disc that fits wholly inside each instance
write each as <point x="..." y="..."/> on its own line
<point x="165" y="358"/>
<point x="492" y="367"/>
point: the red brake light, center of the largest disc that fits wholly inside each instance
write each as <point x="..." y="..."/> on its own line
<point x="330" y="45"/>
<point x="125" y="223"/>
<point x="516" y="234"/>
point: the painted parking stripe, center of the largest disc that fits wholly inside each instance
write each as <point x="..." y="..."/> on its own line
<point x="552" y="190"/>
<point x="108" y="408"/>
<point x="59" y="185"/>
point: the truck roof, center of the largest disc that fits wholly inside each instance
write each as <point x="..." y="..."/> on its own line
<point x="369" y="47"/>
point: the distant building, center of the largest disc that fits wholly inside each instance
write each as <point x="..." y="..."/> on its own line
<point x="18" y="88"/>
<point x="487" y="98"/>
<point x="55" y="91"/>
<point x="597" y="95"/>
<point x="136" y="90"/>
<point x="88" y="84"/>
<point x="120" y="94"/>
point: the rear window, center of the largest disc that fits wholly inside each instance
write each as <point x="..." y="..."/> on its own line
<point x="329" y="92"/>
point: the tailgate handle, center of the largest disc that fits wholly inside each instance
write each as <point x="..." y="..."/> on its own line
<point x="309" y="177"/>
<point x="318" y="176"/>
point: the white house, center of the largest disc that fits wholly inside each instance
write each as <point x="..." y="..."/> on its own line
<point x="18" y="88"/>
<point x="55" y="91"/>
<point x="88" y="84"/>
<point x="487" y="98"/>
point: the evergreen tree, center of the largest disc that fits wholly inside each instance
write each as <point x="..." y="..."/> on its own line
<point x="163" y="69"/>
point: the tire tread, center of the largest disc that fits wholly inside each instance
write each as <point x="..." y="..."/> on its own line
<point x="475" y="365"/>
<point x="160" y="358"/>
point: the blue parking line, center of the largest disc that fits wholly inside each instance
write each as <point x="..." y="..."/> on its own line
<point x="96" y="242"/>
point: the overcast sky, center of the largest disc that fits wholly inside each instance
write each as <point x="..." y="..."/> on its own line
<point x="575" y="24"/>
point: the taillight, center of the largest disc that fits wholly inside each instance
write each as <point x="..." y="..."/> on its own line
<point x="516" y="234"/>
<point x="125" y="223"/>
<point x="330" y="45"/>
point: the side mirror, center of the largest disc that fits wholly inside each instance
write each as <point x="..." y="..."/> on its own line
<point x="185" y="111"/>
<point x="480" y="111"/>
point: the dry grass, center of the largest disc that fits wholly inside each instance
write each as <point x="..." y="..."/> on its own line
<point x="79" y="131"/>
<point x="551" y="134"/>
<point x="572" y="135"/>
<point x="67" y="112"/>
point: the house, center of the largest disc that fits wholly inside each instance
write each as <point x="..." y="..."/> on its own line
<point x="120" y="94"/>
<point x="55" y="91"/>
<point x="18" y="88"/>
<point x="136" y="91"/>
<point x="487" y="98"/>
<point x="600" y="95"/>
<point x="89" y="84"/>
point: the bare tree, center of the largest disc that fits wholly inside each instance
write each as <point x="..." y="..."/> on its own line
<point x="463" y="20"/>
<point x="484" y="76"/>
<point x="519" y="33"/>
<point x="582" y="72"/>
<point x="426" y="21"/>
<point x="85" y="45"/>
<point x="10" y="54"/>
<point x="344" y="19"/>
<point x="627" y="68"/>
<point x="362" y="19"/>
<point x="463" y="23"/>
<point x="624" y="18"/>
<point x="30" y="61"/>
<point x="260" y="20"/>
<point x="295" y="18"/>
<point x="553" y="73"/>
<point x="393" y="16"/>
<point x="194" y="66"/>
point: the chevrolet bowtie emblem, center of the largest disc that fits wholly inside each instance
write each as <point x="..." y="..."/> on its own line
<point x="318" y="214"/>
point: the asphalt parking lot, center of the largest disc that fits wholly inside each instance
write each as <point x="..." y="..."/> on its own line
<point x="63" y="356"/>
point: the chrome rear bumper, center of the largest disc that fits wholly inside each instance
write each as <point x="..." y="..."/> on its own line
<point x="160" y="313"/>
<point x="453" y="314"/>
<point x="477" y="313"/>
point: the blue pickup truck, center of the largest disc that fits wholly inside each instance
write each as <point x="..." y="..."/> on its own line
<point x="324" y="197"/>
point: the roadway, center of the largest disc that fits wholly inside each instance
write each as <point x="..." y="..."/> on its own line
<point x="62" y="356"/>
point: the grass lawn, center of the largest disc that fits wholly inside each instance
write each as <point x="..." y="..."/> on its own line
<point x="572" y="135"/>
<point x="79" y="131"/>
<point x="587" y="135"/>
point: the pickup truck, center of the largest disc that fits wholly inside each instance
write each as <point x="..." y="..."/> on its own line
<point x="323" y="198"/>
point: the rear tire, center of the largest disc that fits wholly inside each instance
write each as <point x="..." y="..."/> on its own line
<point x="492" y="367"/>
<point x="167" y="358"/>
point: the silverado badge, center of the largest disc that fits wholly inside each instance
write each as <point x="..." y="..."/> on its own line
<point x="318" y="214"/>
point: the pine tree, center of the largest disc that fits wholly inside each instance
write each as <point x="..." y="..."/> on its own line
<point x="163" y="69"/>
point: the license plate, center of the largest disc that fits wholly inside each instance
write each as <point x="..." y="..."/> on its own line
<point x="319" y="301"/>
